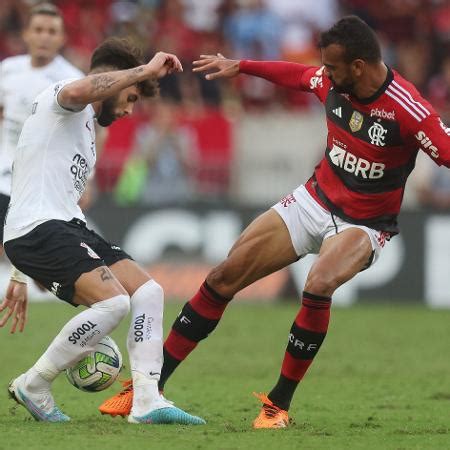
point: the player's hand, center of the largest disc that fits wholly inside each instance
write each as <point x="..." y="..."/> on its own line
<point x="15" y="305"/>
<point x="163" y="64"/>
<point x="218" y="65"/>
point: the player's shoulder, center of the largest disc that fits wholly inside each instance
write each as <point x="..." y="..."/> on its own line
<point x="53" y="89"/>
<point x="407" y="100"/>
<point x="14" y="64"/>
<point x="67" y="69"/>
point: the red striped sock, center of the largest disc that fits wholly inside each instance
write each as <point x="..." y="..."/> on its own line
<point x="305" y="338"/>
<point x="198" y="318"/>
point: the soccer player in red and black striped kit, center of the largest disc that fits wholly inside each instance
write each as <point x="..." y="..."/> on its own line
<point x="377" y="122"/>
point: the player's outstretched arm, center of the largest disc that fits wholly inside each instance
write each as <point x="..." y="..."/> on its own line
<point x="217" y="65"/>
<point x="286" y="74"/>
<point x="98" y="87"/>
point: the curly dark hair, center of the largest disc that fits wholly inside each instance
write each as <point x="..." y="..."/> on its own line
<point x="356" y="37"/>
<point x="121" y="54"/>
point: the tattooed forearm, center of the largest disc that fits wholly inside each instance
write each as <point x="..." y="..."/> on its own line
<point x="102" y="82"/>
<point x="105" y="273"/>
<point x="135" y="72"/>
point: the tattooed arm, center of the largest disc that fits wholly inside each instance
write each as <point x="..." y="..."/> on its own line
<point x="99" y="86"/>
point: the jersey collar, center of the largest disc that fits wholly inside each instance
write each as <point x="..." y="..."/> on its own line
<point x="380" y="91"/>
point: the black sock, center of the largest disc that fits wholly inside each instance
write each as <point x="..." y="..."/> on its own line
<point x="281" y="395"/>
<point x="170" y="364"/>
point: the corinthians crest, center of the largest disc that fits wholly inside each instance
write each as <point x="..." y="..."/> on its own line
<point x="356" y="121"/>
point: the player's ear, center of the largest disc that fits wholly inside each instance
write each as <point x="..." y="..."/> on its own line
<point x="26" y="34"/>
<point x="358" y="66"/>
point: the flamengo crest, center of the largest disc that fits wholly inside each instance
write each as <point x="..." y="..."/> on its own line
<point x="377" y="134"/>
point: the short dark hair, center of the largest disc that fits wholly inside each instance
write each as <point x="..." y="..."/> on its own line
<point x="121" y="54"/>
<point x="44" y="9"/>
<point x="356" y="37"/>
<point x="47" y="9"/>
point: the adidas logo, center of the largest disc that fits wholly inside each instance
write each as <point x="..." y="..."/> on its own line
<point x="338" y="112"/>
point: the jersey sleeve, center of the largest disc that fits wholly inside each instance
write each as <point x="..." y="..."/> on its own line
<point x="57" y="88"/>
<point x="433" y="137"/>
<point x="291" y="75"/>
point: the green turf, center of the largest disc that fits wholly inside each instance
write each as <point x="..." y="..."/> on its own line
<point x="381" y="381"/>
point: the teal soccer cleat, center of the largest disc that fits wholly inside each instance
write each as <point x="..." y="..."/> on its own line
<point x="42" y="410"/>
<point x="168" y="415"/>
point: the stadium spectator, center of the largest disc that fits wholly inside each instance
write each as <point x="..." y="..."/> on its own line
<point x="439" y="90"/>
<point x="433" y="186"/>
<point x="164" y="151"/>
<point x="254" y="28"/>
<point x="301" y="22"/>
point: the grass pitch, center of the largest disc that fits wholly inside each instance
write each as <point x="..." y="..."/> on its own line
<point x="381" y="381"/>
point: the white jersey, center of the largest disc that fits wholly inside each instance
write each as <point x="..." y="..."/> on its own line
<point x="20" y="83"/>
<point x="54" y="157"/>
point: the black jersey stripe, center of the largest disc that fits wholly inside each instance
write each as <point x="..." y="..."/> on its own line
<point x="386" y="222"/>
<point x="342" y="113"/>
<point x="391" y="180"/>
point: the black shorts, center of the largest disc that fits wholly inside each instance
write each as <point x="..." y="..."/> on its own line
<point x="56" y="253"/>
<point x="4" y="202"/>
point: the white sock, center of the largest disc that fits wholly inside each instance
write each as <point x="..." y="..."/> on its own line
<point x="145" y="345"/>
<point x="77" y="338"/>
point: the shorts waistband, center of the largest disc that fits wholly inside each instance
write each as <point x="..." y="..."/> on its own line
<point x="78" y="222"/>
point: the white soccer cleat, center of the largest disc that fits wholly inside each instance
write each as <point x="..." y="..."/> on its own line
<point x="41" y="406"/>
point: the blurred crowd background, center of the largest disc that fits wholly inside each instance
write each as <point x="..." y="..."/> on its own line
<point x="244" y="141"/>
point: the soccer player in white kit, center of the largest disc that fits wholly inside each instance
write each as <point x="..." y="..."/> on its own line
<point x="22" y="78"/>
<point x="46" y="237"/>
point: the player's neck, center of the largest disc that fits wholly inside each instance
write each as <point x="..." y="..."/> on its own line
<point x="40" y="62"/>
<point x="372" y="82"/>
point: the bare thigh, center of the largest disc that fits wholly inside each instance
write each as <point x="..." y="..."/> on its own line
<point x="264" y="247"/>
<point x="341" y="257"/>
<point x="97" y="285"/>
<point x="122" y="277"/>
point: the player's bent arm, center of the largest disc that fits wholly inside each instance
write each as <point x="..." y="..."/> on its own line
<point x="76" y="95"/>
<point x="99" y="86"/>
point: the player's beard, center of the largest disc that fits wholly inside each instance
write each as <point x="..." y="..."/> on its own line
<point x="107" y="116"/>
<point x="344" y="88"/>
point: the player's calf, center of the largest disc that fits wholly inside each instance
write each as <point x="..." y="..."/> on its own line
<point x="198" y="318"/>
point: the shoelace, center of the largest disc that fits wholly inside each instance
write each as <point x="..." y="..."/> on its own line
<point x="127" y="387"/>
<point x="270" y="411"/>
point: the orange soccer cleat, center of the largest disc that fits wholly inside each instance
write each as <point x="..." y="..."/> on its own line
<point x="120" y="404"/>
<point x="271" y="416"/>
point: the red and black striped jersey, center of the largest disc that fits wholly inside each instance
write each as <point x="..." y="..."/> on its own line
<point x="372" y="143"/>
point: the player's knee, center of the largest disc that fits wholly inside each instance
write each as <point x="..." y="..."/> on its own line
<point x="123" y="307"/>
<point x="321" y="284"/>
<point x="157" y="289"/>
<point x="150" y="290"/>
<point x="116" y="307"/>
